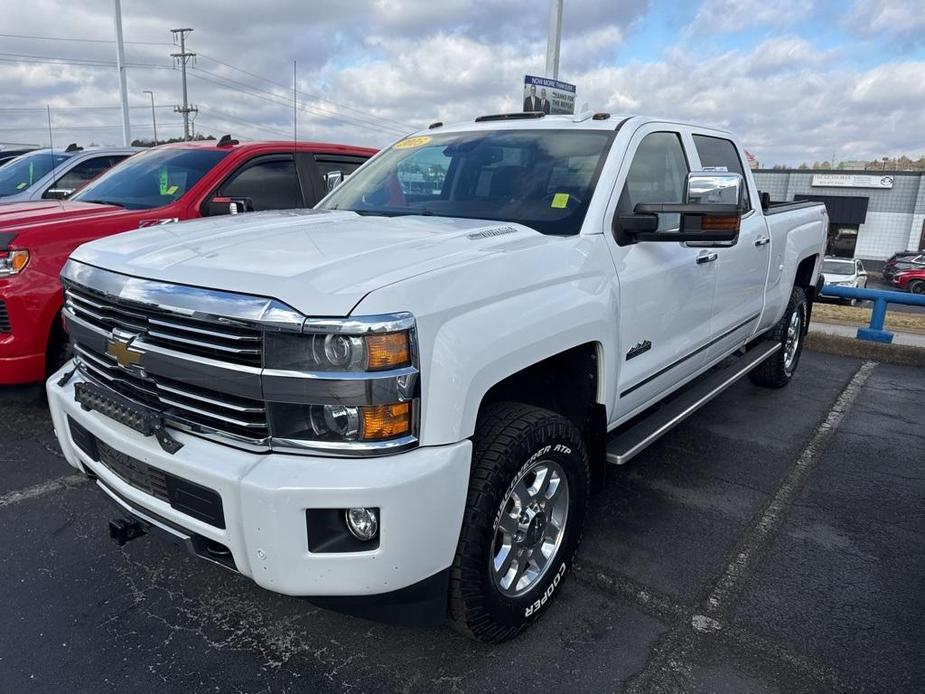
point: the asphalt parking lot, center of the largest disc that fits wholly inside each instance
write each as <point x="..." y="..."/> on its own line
<point x="775" y="542"/>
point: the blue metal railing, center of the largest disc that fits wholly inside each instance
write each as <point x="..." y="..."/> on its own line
<point x="874" y="332"/>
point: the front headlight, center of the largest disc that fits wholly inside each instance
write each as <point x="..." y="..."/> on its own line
<point x="338" y="352"/>
<point x="348" y="386"/>
<point x="13" y="262"/>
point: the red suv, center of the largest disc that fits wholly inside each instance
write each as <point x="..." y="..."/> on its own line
<point x="912" y="281"/>
<point x="167" y="184"/>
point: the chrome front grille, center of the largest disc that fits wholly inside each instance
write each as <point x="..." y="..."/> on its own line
<point x="195" y="405"/>
<point x="206" y="339"/>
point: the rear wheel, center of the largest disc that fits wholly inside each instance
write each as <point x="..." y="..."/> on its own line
<point x="777" y="370"/>
<point x="523" y="521"/>
<point x="917" y="287"/>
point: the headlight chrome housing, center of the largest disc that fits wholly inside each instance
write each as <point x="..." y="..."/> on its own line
<point x="345" y="387"/>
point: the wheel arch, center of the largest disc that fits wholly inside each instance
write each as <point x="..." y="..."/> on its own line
<point x="568" y="383"/>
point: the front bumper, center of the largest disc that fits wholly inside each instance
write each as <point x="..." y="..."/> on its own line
<point x="421" y="495"/>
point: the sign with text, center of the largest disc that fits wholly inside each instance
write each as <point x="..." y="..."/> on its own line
<point x="852" y="181"/>
<point x="548" y="96"/>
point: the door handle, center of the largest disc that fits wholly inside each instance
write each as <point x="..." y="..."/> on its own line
<point x="706" y="258"/>
<point x="762" y="240"/>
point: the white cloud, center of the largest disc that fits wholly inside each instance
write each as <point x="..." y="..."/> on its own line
<point x="720" y="16"/>
<point x="412" y="62"/>
<point x="903" y="19"/>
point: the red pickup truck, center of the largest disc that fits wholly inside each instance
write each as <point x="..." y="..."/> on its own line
<point x="167" y="184"/>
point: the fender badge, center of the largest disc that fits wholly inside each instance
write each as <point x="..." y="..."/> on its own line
<point x="638" y="349"/>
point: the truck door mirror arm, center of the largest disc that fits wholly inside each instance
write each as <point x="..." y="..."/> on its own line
<point x="712" y="212"/>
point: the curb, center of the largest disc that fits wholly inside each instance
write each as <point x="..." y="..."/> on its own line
<point x="905" y="355"/>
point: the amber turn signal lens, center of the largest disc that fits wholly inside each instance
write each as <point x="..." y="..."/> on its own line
<point x="388" y="351"/>
<point x="718" y="222"/>
<point x="385" y="421"/>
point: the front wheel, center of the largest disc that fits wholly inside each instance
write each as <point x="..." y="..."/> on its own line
<point x="777" y="370"/>
<point x="523" y="522"/>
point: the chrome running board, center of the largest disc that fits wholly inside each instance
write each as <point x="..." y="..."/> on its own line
<point x="624" y="444"/>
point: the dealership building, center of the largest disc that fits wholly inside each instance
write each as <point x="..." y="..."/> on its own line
<point x="872" y="214"/>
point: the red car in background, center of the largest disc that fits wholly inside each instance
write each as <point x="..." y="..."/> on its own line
<point x="167" y="184"/>
<point x="912" y="281"/>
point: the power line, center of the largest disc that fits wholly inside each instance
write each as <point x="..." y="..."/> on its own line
<point x="85" y="62"/>
<point x="405" y="126"/>
<point x="227" y="116"/>
<point x="79" y="40"/>
<point x="288" y="102"/>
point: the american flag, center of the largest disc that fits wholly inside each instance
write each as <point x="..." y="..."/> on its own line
<point x="752" y="161"/>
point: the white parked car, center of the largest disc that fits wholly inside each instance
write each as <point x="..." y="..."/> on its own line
<point x="46" y="174"/>
<point x="406" y="395"/>
<point x="843" y="272"/>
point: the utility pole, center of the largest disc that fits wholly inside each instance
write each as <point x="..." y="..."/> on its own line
<point x="153" y="117"/>
<point x="120" y="65"/>
<point x="554" y="38"/>
<point x="182" y="59"/>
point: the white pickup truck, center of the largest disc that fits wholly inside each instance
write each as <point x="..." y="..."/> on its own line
<point x="400" y="402"/>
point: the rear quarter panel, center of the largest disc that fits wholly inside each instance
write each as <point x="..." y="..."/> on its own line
<point x="795" y="235"/>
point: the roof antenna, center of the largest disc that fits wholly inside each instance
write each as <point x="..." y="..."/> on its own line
<point x="51" y="146"/>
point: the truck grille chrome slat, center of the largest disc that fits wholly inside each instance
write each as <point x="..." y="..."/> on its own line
<point x="194" y="406"/>
<point x="201" y="338"/>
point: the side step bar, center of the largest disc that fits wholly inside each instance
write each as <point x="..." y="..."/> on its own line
<point x="622" y="447"/>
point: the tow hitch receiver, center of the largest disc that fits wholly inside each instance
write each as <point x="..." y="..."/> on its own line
<point x="124" y="530"/>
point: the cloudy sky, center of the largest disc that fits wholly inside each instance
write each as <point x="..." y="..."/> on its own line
<point x="798" y="80"/>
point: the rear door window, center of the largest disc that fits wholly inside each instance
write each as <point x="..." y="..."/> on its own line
<point x="80" y="175"/>
<point x="718" y="154"/>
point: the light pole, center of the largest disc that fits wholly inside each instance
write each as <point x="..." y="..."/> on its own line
<point x="153" y="117"/>
<point x="553" y="39"/>
<point x="120" y="66"/>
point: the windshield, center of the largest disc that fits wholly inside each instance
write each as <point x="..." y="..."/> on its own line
<point x="152" y="179"/>
<point x="21" y="173"/>
<point x="543" y="179"/>
<point x="837" y="267"/>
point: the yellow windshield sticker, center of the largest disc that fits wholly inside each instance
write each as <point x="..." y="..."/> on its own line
<point x="21" y="185"/>
<point x="412" y="142"/>
<point x="172" y="190"/>
<point x="560" y="200"/>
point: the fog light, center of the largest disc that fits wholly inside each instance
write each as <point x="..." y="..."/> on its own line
<point x="362" y="523"/>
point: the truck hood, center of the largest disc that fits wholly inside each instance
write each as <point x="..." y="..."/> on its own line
<point x="20" y="216"/>
<point x="321" y="263"/>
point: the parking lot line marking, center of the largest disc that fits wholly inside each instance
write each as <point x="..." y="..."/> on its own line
<point x="776" y="511"/>
<point x="670" y="665"/>
<point x="42" y="489"/>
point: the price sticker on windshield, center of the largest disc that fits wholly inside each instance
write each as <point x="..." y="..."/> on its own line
<point x="412" y="142"/>
<point x="559" y="201"/>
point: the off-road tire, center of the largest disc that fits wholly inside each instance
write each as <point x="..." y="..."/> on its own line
<point x="774" y="372"/>
<point x="509" y="438"/>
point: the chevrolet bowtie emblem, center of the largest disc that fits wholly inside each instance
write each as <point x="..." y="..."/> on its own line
<point x="119" y="347"/>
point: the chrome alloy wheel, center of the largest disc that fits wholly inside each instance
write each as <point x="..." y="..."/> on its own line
<point x="794" y="334"/>
<point x="530" y="528"/>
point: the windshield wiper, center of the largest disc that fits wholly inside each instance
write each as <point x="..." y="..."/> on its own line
<point x="103" y="202"/>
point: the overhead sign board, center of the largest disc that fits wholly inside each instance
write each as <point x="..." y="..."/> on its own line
<point x="852" y="181"/>
<point x="548" y="96"/>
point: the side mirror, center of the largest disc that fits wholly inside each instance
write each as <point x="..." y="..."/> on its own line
<point x="714" y="203"/>
<point x="58" y="193"/>
<point x="221" y="204"/>
<point x="332" y="179"/>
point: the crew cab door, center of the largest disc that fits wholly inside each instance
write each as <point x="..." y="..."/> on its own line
<point x="666" y="288"/>
<point x="742" y="267"/>
<point x="266" y="182"/>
